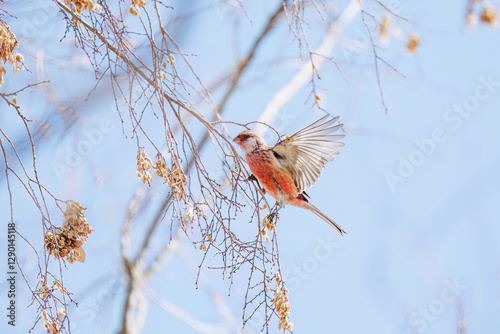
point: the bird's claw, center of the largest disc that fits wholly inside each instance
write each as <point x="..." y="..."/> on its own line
<point x="273" y="215"/>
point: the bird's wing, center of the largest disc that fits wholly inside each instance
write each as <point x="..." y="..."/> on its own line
<point x="306" y="153"/>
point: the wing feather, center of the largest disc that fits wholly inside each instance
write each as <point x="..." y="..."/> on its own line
<point x="306" y="153"/>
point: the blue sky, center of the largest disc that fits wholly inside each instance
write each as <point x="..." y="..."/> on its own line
<point x="415" y="187"/>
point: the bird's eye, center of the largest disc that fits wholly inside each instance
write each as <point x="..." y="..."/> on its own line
<point x="246" y="136"/>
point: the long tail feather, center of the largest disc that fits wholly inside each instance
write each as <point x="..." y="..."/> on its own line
<point x="325" y="218"/>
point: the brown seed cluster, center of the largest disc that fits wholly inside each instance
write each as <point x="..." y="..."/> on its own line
<point x="160" y="166"/>
<point x="75" y="222"/>
<point x="44" y="290"/>
<point x="413" y="42"/>
<point x="78" y="5"/>
<point x="66" y="242"/>
<point x="53" y="326"/>
<point x="8" y="43"/>
<point x="143" y="165"/>
<point x="170" y="60"/>
<point x="282" y="305"/>
<point x="58" y="285"/>
<point x="384" y="28"/>
<point x="174" y="177"/>
<point x="268" y="223"/>
<point x="139" y="3"/>
<point x="388" y="28"/>
<point x="482" y="11"/>
<point x="188" y="215"/>
<point x="207" y="238"/>
<point x="489" y="16"/>
<point x="136" y="4"/>
<point x="176" y="180"/>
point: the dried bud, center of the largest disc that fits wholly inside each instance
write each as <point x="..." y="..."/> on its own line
<point x="134" y="10"/>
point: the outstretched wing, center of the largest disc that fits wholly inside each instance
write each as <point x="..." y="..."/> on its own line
<point x="306" y="153"/>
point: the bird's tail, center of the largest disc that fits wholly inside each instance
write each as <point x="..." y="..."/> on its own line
<point x="325" y="218"/>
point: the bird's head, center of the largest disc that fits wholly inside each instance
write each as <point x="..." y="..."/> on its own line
<point x="250" y="141"/>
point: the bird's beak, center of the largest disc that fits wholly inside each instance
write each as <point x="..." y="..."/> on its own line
<point x="237" y="140"/>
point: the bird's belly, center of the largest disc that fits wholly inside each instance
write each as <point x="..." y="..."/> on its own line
<point x="274" y="179"/>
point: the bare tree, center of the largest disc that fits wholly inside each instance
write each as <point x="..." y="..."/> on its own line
<point x="149" y="74"/>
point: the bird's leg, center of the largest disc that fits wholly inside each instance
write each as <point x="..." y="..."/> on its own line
<point x="253" y="178"/>
<point x="281" y="197"/>
<point x="281" y="193"/>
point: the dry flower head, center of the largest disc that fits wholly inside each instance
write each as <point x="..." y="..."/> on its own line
<point x="60" y="313"/>
<point x="282" y="305"/>
<point x="160" y="166"/>
<point x="78" y="5"/>
<point x="482" y="11"/>
<point x="58" y="285"/>
<point x="268" y="225"/>
<point x="471" y="19"/>
<point x="66" y="242"/>
<point x="134" y="10"/>
<point x="44" y="291"/>
<point x="489" y="16"/>
<point x="53" y="327"/>
<point x="8" y="43"/>
<point x="136" y="4"/>
<point x="189" y="213"/>
<point x="139" y="3"/>
<point x="143" y="165"/>
<point x="170" y="60"/>
<point x="176" y="180"/>
<point x="384" y="28"/>
<point x="413" y="42"/>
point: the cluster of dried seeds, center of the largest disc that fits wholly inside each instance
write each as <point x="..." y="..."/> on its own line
<point x="282" y="305"/>
<point x="207" y="238"/>
<point x="268" y="223"/>
<point x="53" y="325"/>
<point x="66" y="242"/>
<point x="78" y="5"/>
<point x="143" y="165"/>
<point x="44" y="290"/>
<point x="189" y="213"/>
<point x="387" y="28"/>
<point x="413" y="42"/>
<point x="75" y="222"/>
<point x="160" y="166"/>
<point x="174" y="177"/>
<point x="385" y="24"/>
<point x="8" y="43"/>
<point x="176" y="180"/>
<point x="482" y="11"/>
<point x="136" y="4"/>
<point x="170" y="60"/>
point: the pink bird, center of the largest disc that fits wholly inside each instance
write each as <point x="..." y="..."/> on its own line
<point x="294" y="164"/>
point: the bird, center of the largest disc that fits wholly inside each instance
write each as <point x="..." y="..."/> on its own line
<point x="294" y="164"/>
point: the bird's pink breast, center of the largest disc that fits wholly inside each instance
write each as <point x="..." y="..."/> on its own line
<point x="270" y="176"/>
